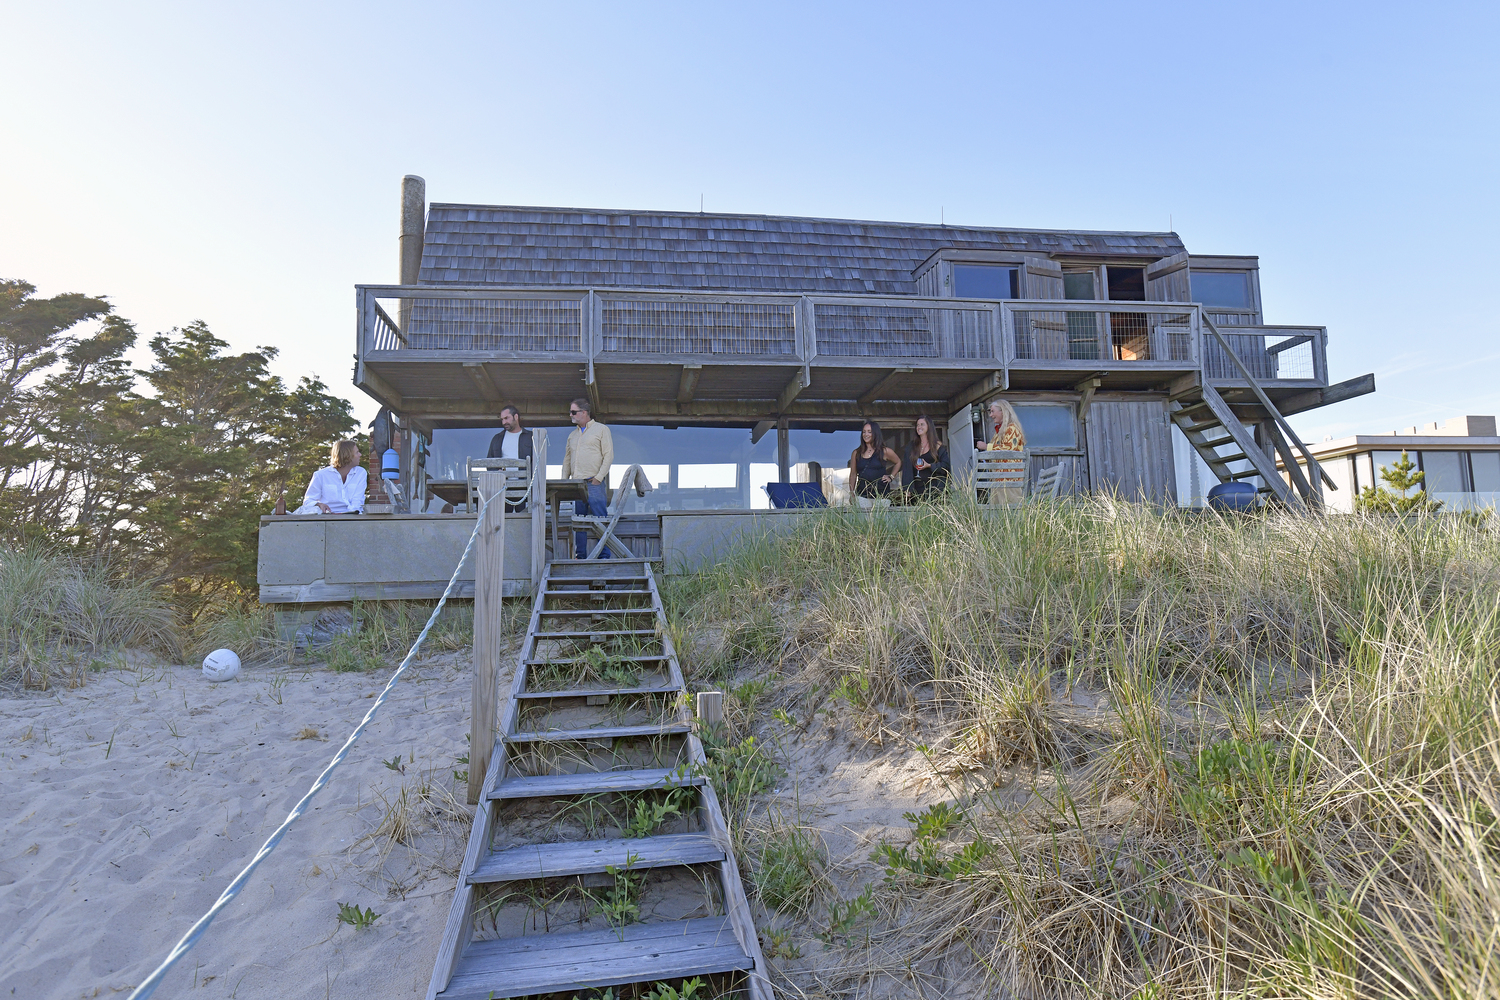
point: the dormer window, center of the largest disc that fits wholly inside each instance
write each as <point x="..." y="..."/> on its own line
<point x="986" y="281"/>
<point x="1225" y="289"/>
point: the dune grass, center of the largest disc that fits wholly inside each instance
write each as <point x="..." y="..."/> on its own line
<point x="56" y="612"/>
<point x="1287" y="783"/>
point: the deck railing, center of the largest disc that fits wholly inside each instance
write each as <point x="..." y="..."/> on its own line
<point x="1044" y="333"/>
<point x="626" y="325"/>
<point x="1272" y="354"/>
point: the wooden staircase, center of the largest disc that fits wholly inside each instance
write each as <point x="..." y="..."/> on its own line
<point x="1224" y="442"/>
<point x="597" y="725"/>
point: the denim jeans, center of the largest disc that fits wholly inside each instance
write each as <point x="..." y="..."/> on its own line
<point x="597" y="505"/>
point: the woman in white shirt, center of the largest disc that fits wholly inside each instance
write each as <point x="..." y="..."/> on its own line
<point x="338" y="487"/>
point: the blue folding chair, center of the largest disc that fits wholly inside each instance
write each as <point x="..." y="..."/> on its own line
<point x="784" y="495"/>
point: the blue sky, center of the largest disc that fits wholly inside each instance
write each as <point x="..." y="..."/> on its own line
<point x="241" y="164"/>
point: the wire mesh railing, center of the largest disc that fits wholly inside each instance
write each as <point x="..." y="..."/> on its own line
<point x="677" y="326"/>
<point x="499" y="324"/>
<point x="884" y="330"/>
<point x="1272" y="354"/>
<point x="1114" y="331"/>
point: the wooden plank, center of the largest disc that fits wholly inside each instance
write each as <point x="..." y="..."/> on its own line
<point x="594" y="612"/>
<point x="592" y="783"/>
<point x="598" y="733"/>
<point x="800" y="381"/>
<point x="588" y="856"/>
<point x="687" y="382"/>
<point x="596" y="635"/>
<point x="596" y="692"/>
<point x="538" y="506"/>
<point x="582" y="960"/>
<point x="489" y="630"/>
<point x="644" y="658"/>
<point x="891" y="378"/>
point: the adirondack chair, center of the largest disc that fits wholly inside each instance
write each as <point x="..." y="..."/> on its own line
<point x="517" y="472"/>
<point x="604" y="527"/>
<point x="1048" y="483"/>
<point x="1003" y="473"/>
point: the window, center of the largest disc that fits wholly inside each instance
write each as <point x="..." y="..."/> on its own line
<point x="1364" y="472"/>
<point x="1126" y="284"/>
<point x="1443" y="471"/>
<point x="1385" y="460"/>
<point x="1078" y="285"/>
<point x="1227" y="290"/>
<point x="986" y="281"/>
<point x="1486" y="469"/>
<point x="1083" y="327"/>
<point x="1047" y="425"/>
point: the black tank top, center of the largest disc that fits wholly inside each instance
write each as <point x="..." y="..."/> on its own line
<point x="872" y="468"/>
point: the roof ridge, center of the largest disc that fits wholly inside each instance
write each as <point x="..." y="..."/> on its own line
<point x="467" y="206"/>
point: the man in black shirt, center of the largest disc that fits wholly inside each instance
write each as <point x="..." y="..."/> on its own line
<point x="512" y="442"/>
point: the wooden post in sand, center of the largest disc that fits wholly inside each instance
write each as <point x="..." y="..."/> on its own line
<point x="489" y="579"/>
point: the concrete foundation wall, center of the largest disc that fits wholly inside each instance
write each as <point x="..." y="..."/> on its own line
<point x="322" y="558"/>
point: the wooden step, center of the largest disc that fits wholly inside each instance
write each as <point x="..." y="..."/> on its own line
<point x="583" y="960"/>
<point x="617" y="560"/>
<point x="593" y="783"/>
<point x="600" y="634"/>
<point x="599" y="733"/>
<point x="593" y="692"/>
<point x="596" y="612"/>
<point x="585" y="857"/>
<point x="597" y="595"/>
<point x="645" y="658"/>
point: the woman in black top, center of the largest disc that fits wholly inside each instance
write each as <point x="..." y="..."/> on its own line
<point x="928" y="461"/>
<point x="873" y="466"/>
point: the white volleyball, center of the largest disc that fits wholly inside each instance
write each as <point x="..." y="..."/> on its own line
<point x="221" y="665"/>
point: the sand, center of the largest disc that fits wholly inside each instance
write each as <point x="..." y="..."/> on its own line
<point x="132" y="801"/>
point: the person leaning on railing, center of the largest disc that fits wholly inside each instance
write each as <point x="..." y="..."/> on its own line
<point x="927" y="463"/>
<point x="338" y="487"/>
<point x="589" y="454"/>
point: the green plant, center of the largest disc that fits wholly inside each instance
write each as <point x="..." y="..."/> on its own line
<point x="923" y="857"/>
<point x="739" y="770"/>
<point x="690" y="989"/>
<point x="648" y="811"/>
<point x="357" y="918"/>
<point x="1397" y="497"/>
<point x="845" y="915"/>
<point x="787" y="867"/>
<point x="778" y="943"/>
<point x="620" y="903"/>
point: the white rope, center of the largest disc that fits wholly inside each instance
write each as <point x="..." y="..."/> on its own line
<point x="233" y="889"/>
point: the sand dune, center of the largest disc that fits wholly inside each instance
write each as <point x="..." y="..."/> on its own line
<point x="132" y="801"/>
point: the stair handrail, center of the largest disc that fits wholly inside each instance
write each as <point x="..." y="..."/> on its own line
<point x="1265" y="401"/>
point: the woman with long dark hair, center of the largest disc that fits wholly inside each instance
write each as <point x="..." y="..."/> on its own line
<point x="927" y="461"/>
<point x="872" y="466"/>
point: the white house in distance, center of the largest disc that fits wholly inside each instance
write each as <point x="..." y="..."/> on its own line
<point x="1460" y="458"/>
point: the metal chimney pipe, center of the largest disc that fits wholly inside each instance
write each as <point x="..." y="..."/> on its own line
<point x="413" y="235"/>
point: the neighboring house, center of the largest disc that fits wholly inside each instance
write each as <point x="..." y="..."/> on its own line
<point x="698" y="335"/>
<point x="1460" y="461"/>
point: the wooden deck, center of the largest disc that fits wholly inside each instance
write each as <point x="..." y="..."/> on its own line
<point x="645" y="354"/>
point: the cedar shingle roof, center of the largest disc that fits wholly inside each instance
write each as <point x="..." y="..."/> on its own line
<point x="488" y="244"/>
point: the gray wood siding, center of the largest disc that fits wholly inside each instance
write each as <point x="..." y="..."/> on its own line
<point x="1130" y="450"/>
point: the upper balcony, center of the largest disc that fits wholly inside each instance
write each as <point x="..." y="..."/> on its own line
<point x="466" y="350"/>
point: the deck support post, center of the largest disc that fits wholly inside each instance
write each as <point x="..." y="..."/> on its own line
<point x="783" y="451"/>
<point x="489" y="631"/>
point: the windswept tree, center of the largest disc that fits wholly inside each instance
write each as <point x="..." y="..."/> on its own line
<point x="217" y="436"/>
<point x="34" y="334"/>
<point x="166" y="483"/>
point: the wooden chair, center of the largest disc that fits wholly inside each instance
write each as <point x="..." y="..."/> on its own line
<point x="1003" y="473"/>
<point x="517" y="472"/>
<point x="1048" y="483"/>
<point x="604" y="527"/>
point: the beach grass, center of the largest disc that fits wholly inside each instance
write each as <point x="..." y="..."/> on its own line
<point x="56" y="610"/>
<point x="1193" y="755"/>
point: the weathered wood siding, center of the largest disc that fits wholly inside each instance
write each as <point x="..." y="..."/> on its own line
<point x="1130" y="450"/>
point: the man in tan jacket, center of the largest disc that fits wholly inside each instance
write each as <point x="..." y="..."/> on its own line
<point x="590" y="453"/>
